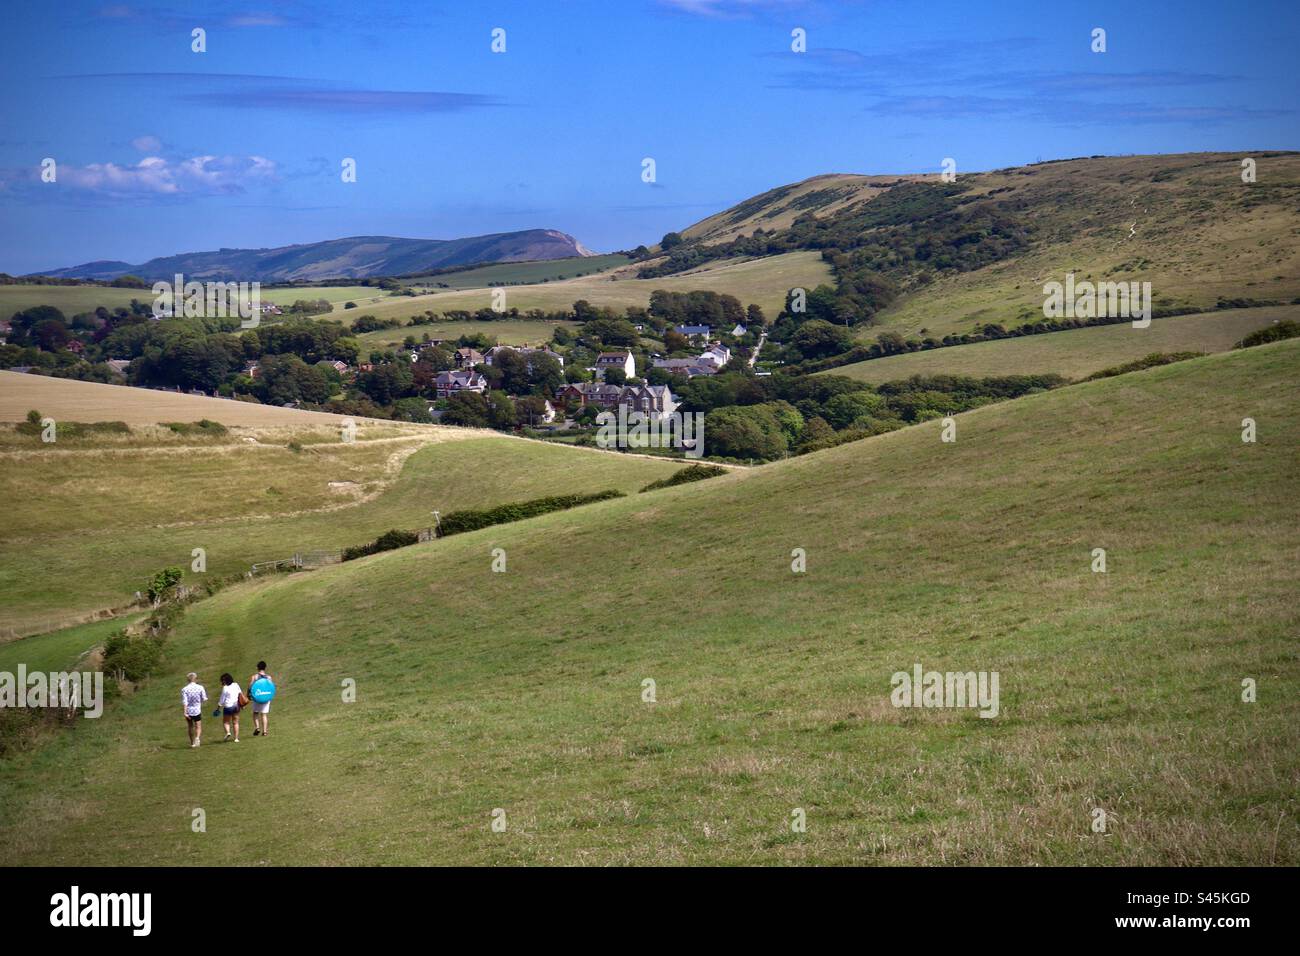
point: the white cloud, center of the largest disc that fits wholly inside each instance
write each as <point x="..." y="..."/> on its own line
<point x="153" y="175"/>
<point x="147" y="144"/>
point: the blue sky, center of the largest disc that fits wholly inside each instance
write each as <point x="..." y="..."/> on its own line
<point x="163" y="150"/>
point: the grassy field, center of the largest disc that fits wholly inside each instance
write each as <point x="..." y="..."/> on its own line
<point x="1186" y="224"/>
<point x="69" y="400"/>
<point x="68" y="299"/>
<point x="762" y="281"/>
<point x="60" y="649"/>
<point x="505" y="332"/>
<point x="524" y="690"/>
<point x="101" y="514"/>
<point x="544" y="270"/>
<point x="1077" y="353"/>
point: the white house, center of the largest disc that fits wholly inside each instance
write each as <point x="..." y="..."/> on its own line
<point x="716" y="354"/>
<point x="619" y="360"/>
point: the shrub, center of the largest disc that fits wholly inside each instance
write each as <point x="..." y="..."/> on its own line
<point x="1273" y="333"/>
<point x="132" y="658"/>
<point x="1150" y="361"/>
<point x="686" y="475"/>
<point x="471" y="520"/>
<point x="389" y="540"/>
<point x="163" y="583"/>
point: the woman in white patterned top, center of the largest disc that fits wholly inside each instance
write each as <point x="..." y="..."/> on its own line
<point x="193" y="697"/>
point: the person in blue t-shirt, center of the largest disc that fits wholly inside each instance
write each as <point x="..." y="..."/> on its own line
<point x="261" y="711"/>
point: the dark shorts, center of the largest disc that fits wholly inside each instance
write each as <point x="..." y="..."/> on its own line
<point x="195" y="719"/>
<point x="230" y="711"/>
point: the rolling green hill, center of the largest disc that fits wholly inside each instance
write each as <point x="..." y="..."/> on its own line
<point x="101" y="514"/>
<point x="1077" y="353"/>
<point x="763" y="281"/>
<point x="354" y="257"/>
<point x="516" y="273"/>
<point x="978" y="250"/>
<point x="523" y="691"/>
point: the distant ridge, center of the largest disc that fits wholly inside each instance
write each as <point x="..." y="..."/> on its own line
<point x="356" y="257"/>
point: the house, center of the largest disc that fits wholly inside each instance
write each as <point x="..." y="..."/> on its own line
<point x="690" y="367"/>
<point x="616" y="360"/>
<point x="526" y="352"/>
<point x="250" y="369"/>
<point x="577" y="394"/>
<point x="655" y="401"/>
<point x="739" y="330"/>
<point x="119" y="366"/>
<point x="338" y="366"/>
<point x="716" y="354"/>
<point x="447" y="384"/>
<point x="468" y="358"/>
<point x="694" y="331"/>
<point x="75" y="347"/>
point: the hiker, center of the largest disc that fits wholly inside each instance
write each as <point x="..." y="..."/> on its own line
<point x="262" y="707"/>
<point x="232" y="700"/>
<point x="193" y="697"/>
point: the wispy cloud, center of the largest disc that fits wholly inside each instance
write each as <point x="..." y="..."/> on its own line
<point x="1059" y="111"/>
<point x="969" y="80"/>
<point x="329" y="100"/>
<point x="153" y="177"/>
<point x="294" y="93"/>
<point x="231" y="18"/>
<point x="732" y="9"/>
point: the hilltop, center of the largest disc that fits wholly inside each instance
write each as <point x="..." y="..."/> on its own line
<point x="525" y="691"/>
<point x="932" y="257"/>
<point x="356" y="257"/>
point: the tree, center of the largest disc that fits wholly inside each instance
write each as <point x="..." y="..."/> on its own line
<point x="814" y="430"/>
<point x="611" y="332"/>
<point x="615" y="376"/>
<point x="674" y="341"/>
<point x="530" y="410"/>
<point x="467" y="409"/>
<point x="500" y="410"/>
<point x="755" y="319"/>
<point x="849" y="408"/>
<point x="547" y="375"/>
<point x="385" y="384"/>
<point x="162" y="585"/>
<point x="818" y="338"/>
<point x="670" y="240"/>
<point x="513" y="369"/>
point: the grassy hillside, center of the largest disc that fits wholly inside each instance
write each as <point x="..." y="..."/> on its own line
<point x="505" y="331"/>
<point x="763" y="281"/>
<point x="1187" y="224"/>
<point x="523" y="690"/>
<point x="102" y="514"/>
<point x="68" y="299"/>
<point x="778" y="208"/>
<point x="499" y="273"/>
<point x="70" y="400"/>
<point x="1077" y="353"/>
